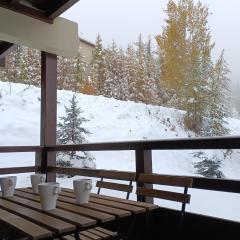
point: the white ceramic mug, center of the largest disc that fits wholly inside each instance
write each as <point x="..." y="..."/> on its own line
<point x="37" y="179"/>
<point x="48" y="195"/>
<point x="8" y="185"/>
<point x="82" y="188"/>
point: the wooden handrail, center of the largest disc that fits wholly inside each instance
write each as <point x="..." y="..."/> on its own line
<point x="18" y="170"/>
<point x="15" y="149"/>
<point x="166" y="144"/>
<point x="143" y="157"/>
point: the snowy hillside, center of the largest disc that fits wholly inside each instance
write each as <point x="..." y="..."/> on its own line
<point x="112" y="120"/>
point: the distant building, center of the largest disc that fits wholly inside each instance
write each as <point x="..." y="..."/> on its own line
<point x="86" y="49"/>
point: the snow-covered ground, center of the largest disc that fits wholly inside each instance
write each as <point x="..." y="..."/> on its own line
<point x="113" y="120"/>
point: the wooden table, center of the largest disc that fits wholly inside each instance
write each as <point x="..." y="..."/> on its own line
<point x="23" y="212"/>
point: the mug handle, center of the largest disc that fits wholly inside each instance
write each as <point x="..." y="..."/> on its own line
<point x="56" y="190"/>
<point x="10" y="182"/>
<point x="88" y="186"/>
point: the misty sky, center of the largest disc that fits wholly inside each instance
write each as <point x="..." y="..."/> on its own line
<point x="123" y="20"/>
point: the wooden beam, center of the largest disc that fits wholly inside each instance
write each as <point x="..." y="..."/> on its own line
<point x="14" y="1"/>
<point x="6" y="48"/>
<point x="61" y="7"/>
<point x="48" y="111"/>
<point x="30" y="12"/>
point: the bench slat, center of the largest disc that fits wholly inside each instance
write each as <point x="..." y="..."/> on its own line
<point x="104" y="230"/>
<point x="172" y="196"/>
<point x="118" y="175"/>
<point x="166" y="180"/>
<point x="99" y="234"/>
<point x="90" y="235"/>
<point x="114" y="186"/>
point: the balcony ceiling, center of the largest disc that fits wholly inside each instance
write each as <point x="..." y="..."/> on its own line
<point x="44" y="10"/>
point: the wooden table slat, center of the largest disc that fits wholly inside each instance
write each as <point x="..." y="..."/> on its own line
<point x="149" y="206"/>
<point x="133" y="209"/>
<point x="101" y="216"/>
<point x="32" y="230"/>
<point x="108" y="203"/>
<point x="70" y="217"/>
<point x="44" y="220"/>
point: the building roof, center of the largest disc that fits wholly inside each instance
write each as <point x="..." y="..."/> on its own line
<point x="87" y="42"/>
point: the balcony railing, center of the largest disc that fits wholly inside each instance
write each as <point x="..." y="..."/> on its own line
<point x="143" y="157"/>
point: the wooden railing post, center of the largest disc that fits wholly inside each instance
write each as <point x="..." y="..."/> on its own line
<point x="48" y="112"/>
<point x="143" y="165"/>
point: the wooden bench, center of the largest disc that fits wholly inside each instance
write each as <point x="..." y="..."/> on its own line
<point x="116" y="175"/>
<point x="97" y="233"/>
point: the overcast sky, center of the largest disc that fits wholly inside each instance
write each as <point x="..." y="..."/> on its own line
<point x="124" y="20"/>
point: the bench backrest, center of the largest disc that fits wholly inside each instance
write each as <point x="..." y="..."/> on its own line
<point x="116" y="175"/>
<point x="176" y="181"/>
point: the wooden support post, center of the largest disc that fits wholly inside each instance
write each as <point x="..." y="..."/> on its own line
<point x="2" y="62"/>
<point x="143" y="165"/>
<point x="48" y="112"/>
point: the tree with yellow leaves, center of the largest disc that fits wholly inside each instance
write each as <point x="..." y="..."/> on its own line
<point x="185" y="51"/>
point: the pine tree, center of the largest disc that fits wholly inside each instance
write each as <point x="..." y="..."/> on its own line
<point x="98" y="66"/>
<point x="71" y="131"/>
<point x="131" y="72"/>
<point x="80" y="72"/>
<point x="218" y="99"/>
<point x="115" y="85"/>
<point x="151" y="86"/>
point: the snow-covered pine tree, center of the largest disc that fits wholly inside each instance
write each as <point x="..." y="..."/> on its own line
<point x="66" y="73"/>
<point x="115" y="85"/>
<point x="151" y="85"/>
<point x="111" y="84"/>
<point x="80" y="72"/>
<point x="71" y="131"/>
<point x="98" y="66"/>
<point x="131" y="72"/>
<point x="141" y="74"/>
<point x="122" y="75"/>
<point x="218" y="100"/>
<point x="33" y="62"/>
